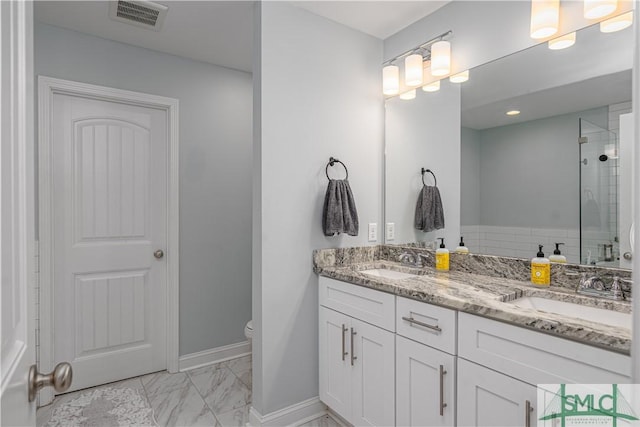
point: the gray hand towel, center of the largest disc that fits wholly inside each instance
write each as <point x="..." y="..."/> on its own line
<point x="429" y="214"/>
<point x="339" y="214"/>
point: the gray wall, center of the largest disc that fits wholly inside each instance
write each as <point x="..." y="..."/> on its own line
<point x="423" y="132"/>
<point x="215" y="169"/>
<point x="469" y="176"/>
<point x="529" y="172"/>
<point x="318" y="95"/>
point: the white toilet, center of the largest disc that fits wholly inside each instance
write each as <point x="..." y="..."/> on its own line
<point x="248" y="331"/>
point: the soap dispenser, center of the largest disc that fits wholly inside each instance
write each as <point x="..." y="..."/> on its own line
<point x="540" y="269"/>
<point x="557" y="256"/>
<point x="442" y="256"/>
<point x="462" y="249"/>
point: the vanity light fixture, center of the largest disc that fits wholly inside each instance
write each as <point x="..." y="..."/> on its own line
<point x="390" y="80"/>
<point x="513" y="112"/>
<point x="563" y="42"/>
<point x="413" y="70"/>
<point x="441" y="58"/>
<point x="432" y="87"/>
<point x="594" y="9"/>
<point x="435" y="52"/>
<point x="460" y="77"/>
<point x="618" y="23"/>
<point x="410" y="94"/>
<point x="545" y="18"/>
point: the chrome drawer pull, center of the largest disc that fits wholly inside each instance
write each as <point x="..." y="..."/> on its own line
<point x="413" y="321"/>
<point x="353" y="356"/>
<point x="528" y="409"/>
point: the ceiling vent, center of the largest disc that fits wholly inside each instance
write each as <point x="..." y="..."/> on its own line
<point x="141" y="13"/>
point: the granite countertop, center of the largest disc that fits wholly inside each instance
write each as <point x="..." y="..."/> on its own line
<point x="489" y="297"/>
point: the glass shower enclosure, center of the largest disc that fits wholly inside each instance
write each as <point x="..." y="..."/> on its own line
<point x="599" y="195"/>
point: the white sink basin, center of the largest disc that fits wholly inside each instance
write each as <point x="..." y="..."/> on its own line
<point x="585" y="312"/>
<point x="388" y="274"/>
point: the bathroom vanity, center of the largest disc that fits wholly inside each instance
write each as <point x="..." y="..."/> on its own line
<point x="415" y="347"/>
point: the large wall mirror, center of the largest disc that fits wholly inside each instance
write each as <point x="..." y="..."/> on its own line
<point x="543" y="140"/>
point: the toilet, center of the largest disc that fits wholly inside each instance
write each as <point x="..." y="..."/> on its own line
<point x="248" y="331"/>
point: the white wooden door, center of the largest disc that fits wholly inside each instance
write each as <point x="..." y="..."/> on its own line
<point x="488" y="398"/>
<point x="335" y="361"/>
<point x="109" y="209"/>
<point x="418" y="393"/>
<point x="17" y="221"/>
<point x="373" y="387"/>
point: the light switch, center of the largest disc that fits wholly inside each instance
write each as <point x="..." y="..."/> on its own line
<point x="391" y="231"/>
<point x="373" y="232"/>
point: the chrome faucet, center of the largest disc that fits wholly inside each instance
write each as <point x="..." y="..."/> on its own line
<point x="414" y="259"/>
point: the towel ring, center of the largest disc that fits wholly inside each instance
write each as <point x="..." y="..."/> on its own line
<point x="435" y="180"/>
<point x="332" y="162"/>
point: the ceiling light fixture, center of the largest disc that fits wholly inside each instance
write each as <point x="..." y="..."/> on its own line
<point x="594" y="9"/>
<point x="390" y="80"/>
<point x="513" y="112"/>
<point x="545" y="18"/>
<point x="411" y="94"/>
<point x="460" y="77"/>
<point x="618" y="23"/>
<point x="432" y="87"/>
<point x="563" y="42"/>
<point x="416" y="61"/>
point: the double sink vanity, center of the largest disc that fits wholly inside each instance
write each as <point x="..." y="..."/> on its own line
<point x="412" y="346"/>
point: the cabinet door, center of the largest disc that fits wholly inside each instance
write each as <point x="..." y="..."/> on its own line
<point x="488" y="398"/>
<point x="424" y="384"/>
<point x="373" y="388"/>
<point x="335" y="362"/>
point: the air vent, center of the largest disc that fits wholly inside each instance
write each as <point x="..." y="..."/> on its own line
<point x="141" y="13"/>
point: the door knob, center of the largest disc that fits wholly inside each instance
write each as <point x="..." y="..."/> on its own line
<point x="60" y="379"/>
<point x="627" y="256"/>
<point x="158" y="254"/>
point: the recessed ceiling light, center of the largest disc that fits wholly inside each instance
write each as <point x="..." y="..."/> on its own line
<point x="513" y="112"/>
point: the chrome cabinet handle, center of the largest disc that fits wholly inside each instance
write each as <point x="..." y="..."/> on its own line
<point x="158" y="254"/>
<point x="528" y="409"/>
<point x="628" y="256"/>
<point x="442" y="404"/>
<point x="353" y="356"/>
<point x="413" y="321"/>
<point x="344" y="332"/>
<point x="60" y="379"/>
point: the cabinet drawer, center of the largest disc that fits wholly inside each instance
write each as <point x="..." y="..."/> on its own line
<point x="538" y="358"/>
<point x="371" y="306"/>
<point x="429" y="324"/>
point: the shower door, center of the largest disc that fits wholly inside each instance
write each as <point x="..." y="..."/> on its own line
<point x="599" y="199"/>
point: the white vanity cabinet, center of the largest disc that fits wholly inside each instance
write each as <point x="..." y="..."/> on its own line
<point x="487" y="398"/>
<point x="357" y="358"/>
<point x="425" y="364"/>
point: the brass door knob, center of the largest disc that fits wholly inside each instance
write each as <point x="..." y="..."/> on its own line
<point x="60" y="379"/>
<point x="158" y="254"/>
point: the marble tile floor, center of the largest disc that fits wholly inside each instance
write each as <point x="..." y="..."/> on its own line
<point x="215" y="395"/>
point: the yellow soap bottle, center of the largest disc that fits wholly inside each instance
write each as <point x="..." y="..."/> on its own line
<point x="540" y="269"/>
<point x="442" y="256"/>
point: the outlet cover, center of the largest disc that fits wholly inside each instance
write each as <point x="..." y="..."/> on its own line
<point x="391" y="231"/>
<point x="373" y="232"/>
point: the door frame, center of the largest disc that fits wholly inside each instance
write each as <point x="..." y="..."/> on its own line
<point x="47" y="87"/>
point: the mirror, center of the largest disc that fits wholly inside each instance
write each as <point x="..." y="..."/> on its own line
<point x="553" y="173"/>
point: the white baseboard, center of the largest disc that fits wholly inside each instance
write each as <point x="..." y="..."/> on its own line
<point x="293" y="415"/>
<point x="214" y="355"/>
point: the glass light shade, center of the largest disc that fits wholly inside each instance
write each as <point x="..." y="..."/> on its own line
<point x="594" y="9"/>
<point x="512" y="112"/>
<point x="408" y="95"/>
<point x="460" y="77"/>
<point x="432" y="87"/>
<point x="545" y="18"/>
<point x="440" y="58"/>
<point x="413" y="70"/>
<point x="390" y="80"/>
<point x="618" y="23"/>
<point x="563" y="42"/>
